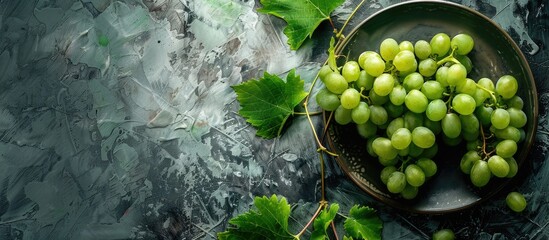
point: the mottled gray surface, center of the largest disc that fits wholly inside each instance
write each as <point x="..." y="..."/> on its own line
<point x="139" y="138"/>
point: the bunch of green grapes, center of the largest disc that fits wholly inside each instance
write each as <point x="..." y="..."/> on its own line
<point x="406" y="96"/>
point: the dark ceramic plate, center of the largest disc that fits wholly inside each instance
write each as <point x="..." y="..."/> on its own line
<point x="495" y="54"/>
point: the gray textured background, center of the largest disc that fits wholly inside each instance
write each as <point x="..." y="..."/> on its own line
<point x="140" y="139"/>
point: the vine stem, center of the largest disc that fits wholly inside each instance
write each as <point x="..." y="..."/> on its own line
<point x="320" y="207"/>
<point x="310" y="113"/>
<point x="492" y="93"/>
<point x="349" y="18"/>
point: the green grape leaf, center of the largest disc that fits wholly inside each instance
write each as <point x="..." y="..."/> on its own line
<point x="322" y="222"/>
<point x="347" y="238"/>
<point x="269" y="220"/>
<point x="302" y="16"/>
<point x="267" y="103"/>
<point x="363" y="223"/>
<point x="332" y="61"/>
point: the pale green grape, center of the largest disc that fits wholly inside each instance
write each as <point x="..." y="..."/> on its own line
<point x="401" y="138"/>
<point x="480" y="173"/>
<point x="397" y="95"/>
<point x="388" y="49"/>
<point x="414" y="175"/>
<point x="405" y="61"/>
<point x="427" y="67"/>
<point x="378" y="115"/>
<point x="436" y="110"/>
<point x="413" y="81"/>
<point x="342" y="115"/>
<point x="374" y="65"/>
<point x="409" y="192"/>
<point x="350" y="98"/>
<point x="468" y="87"/>
<point x="517" y="118"/>
<point x="444" y="234"/>
<point x="324" y="70"/>
<point x="516" y="201"/>
<point x="468" y="160"/>
<point x="386" y="172"/>
<point x="383" y="84"/>
<point x="406" y="45"/>
<point x="506" y="148"/>
<point x="432" y="90"/>
<point x="376" y="99"/>
<point x="369" y="146"/>
<point x="412" y="120"/>
<point x="396" y="182"/>
<point x="488" y="84"/>
<point x="456" y="74"/>
<point x="484" y="115"/>
<point x="513" y="167"/>
<point x="441" y="76"/>
<point x="463" y="104"/>
<point x="336" y="83"/>
<point x="387" y="161"/>
<point x="416" y="101"/>
<point x="498" y="166"/>
<point x="327" y="100"/>
<point x="430" y="152"/>
<point x="367" y="129"/>
<point x="422" y="49"/>
<point x="423" y="137"/>
<point x="383" y="148"/>
<point x="515" y="102"/>
<point x="500" y="118"/>
<point x="361" y="113"/>
<point x="510" y="132"/>
<point x="465" y="61"/>
<point x="394" y="125"/>
<point x="364" y="81"/>
<point x="463" y="43"/>
<point x="440" y="44"/>
<point x="451" y="125"/>
<point x="428" y="166"/>
<point x="351" y="71"/>
<point x="507" y="86"/>
<point x="469" y="123"/>
<point x="364" y="55"/>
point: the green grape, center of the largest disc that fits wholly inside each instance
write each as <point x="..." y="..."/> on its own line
<point x="404" y="152"/>
<point x="430" y="152"/>
<point x="378" y="115"/>
<point x="396" y="182"/>
<point x="468" y="87"/>
<point x="383" y="84"/>
<point x="451" y="125"/>
<point x="394" y="111"/>
<point x="516" y="201"/>
<point x="364" y="55"/>
<point x="414" y="175"/>
<point x="361" y="113"/>
<point x="416" y="101"/>
<point x="470" y="136"/>
<point x="428" y="166"/>
<point x="428" y="67"/>
<point x="500" y="118"/>
<point x="515" y="102"/>
<point x="364" y="81"/>
<point x="342" y="115"/>
<point x="506" y="86"/>
<point x="409" y="192"/>
<point x="468" y="160"/>
<point x="441" y="76"/>
<point x="369" y="146"/>
<point x="484" y="115"/>
<point x="463" y="43"/>
<point x="510" y="132"/>
<point x="388" y="49"/>
<point x="350" y="71"/>
<point x="397" y="95"/>
<point x="444" y="234"/>
<point x="323" y="72"/>
<point x="513" y="167"/>
<point x="413" y="81"/>
<point x="327" y="100"/>
<point x="414" y="150"/>
<point x="440" y="44"/>
<point x="480" y="173"/>
<point x="522" y="135"/>
<point x="469" y="123"/>
<point x="374" y="65"/>
<point x="406" y="45"/>
<point x="506" y="148"/>
<point x="387" y="161"/>
<point x="473" y="145"/>
<point x="422" y="49"/>
<point x="376" y="99"/>
<point x="465" y="61"/>
<point x="435" y="127"/>
<point x="498" y="166"/>
<point x="336" y="83"/>
<point x="480" y="96"/>
<point x="386" y="172"/>
<point x="488" y="84"/>
<point x="456" y="75"/>
<point x="423" y="137"/>
<point x="462" y="103"/>
<point x="412" y="120"/>
<point x="436" y="110"/>
<point x="405" y="61"/>
<point x="394" y="125"/>
<point x="401" y="138"/>
<point x="350" y="98"/>
<point x="367" y="129"/>
<point x="517" y="118"/>
<point x="432" y="90"/>
<point x="383" y="148"/>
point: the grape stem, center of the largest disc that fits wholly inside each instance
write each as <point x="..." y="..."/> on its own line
<point x="485" y="155"/>
<point x="492" y="93"/>
<point x="449" y="58"/>
<point x="322" y="204"/>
